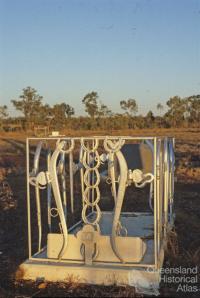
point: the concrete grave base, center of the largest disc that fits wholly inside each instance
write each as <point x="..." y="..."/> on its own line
<point x="46" y="266"/>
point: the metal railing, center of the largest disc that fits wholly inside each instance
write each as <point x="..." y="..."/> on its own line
<point x="63" y="157"/>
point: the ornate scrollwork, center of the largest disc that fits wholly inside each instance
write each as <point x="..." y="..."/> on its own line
<point x="91" y="185"/>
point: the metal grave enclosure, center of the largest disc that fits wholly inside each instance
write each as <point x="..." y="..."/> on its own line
<point x="99" y="208"/>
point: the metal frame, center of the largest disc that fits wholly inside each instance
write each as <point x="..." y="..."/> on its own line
<point x="158" y="242"/>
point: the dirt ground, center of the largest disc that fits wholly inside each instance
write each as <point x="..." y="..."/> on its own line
<point x="183" y="250"/>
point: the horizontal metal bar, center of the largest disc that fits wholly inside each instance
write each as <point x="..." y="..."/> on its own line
<point x="71" y="262"/>
<point x="91" y="138"/>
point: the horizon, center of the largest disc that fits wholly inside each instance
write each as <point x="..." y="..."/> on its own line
<point x="146" y="50"/>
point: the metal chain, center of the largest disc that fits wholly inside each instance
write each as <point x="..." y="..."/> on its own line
<point x="89" y="184"/>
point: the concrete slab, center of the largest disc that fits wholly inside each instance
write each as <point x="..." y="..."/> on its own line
<point x="143" y="279"/>
<point x="141" y="275"/>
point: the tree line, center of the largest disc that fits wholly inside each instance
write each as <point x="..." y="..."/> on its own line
<point x="181" y="112"/>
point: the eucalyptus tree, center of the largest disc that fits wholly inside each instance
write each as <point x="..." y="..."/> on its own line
<point x="193" y="109"/>
<point x="177" y="109"/>
<point x="60" y="112"/>
<point x="130" y="106"/>
<point x="160" y="108"/>
<point x="159" y="119"/>
<point x="150" y="119"/>
<point x="29" y="103"/>
<point x="3" y="114"/>
<point x="91" y="104"/>
<point x="104" y="111"/>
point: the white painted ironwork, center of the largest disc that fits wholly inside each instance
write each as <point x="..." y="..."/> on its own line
<point x="89" y="184"/>
<point x="63" y="164"/>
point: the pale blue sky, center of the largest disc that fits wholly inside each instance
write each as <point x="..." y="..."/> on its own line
<point x="147" y="50"/>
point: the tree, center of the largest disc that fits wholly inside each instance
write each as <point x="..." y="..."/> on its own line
<point x="69" y="111"/>
<point x="159" y="119"/>
<point x="28" y="103"/>
<point x="150" y="119"/>
<point x="3" y="112"/>
<point x="176" y="113"/>
<point x="130" y="106"/>
<point x="160" y="108"/>
<point x="59" y="113"/>
<point x="91" y="105"/>
<point x="43" y="114"/>
<point x="193" y="108"/>
<point x="104" y="111"/>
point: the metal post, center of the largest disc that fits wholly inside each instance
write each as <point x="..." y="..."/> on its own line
<point x="28" y="199"/>
<point x="158" y="190"/>
<point x="155" y="204"/>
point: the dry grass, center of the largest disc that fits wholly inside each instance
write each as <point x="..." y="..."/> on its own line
<point x="172" y="249"/>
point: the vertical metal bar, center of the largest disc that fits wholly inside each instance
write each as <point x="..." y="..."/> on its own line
<point x="173" y="141"/>
<point x="63" y="181"/>
<point x="162" y="191"/>
<point x="81" y="174"/>
<point x="155" y="203"/>
<point x="166" y="162"/>
<point x="49" y="193"/>
<point x="28" y="199"/>
<point x="93" y="162"/>
<point x="89" y="178"/>
<point x="38" y="206"/>
<point x="158" y="180"/>
<point x="172" y="181"/>
<point x="71" y="177"/>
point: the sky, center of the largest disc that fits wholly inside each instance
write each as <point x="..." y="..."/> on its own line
<point x="148" y="50"/>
